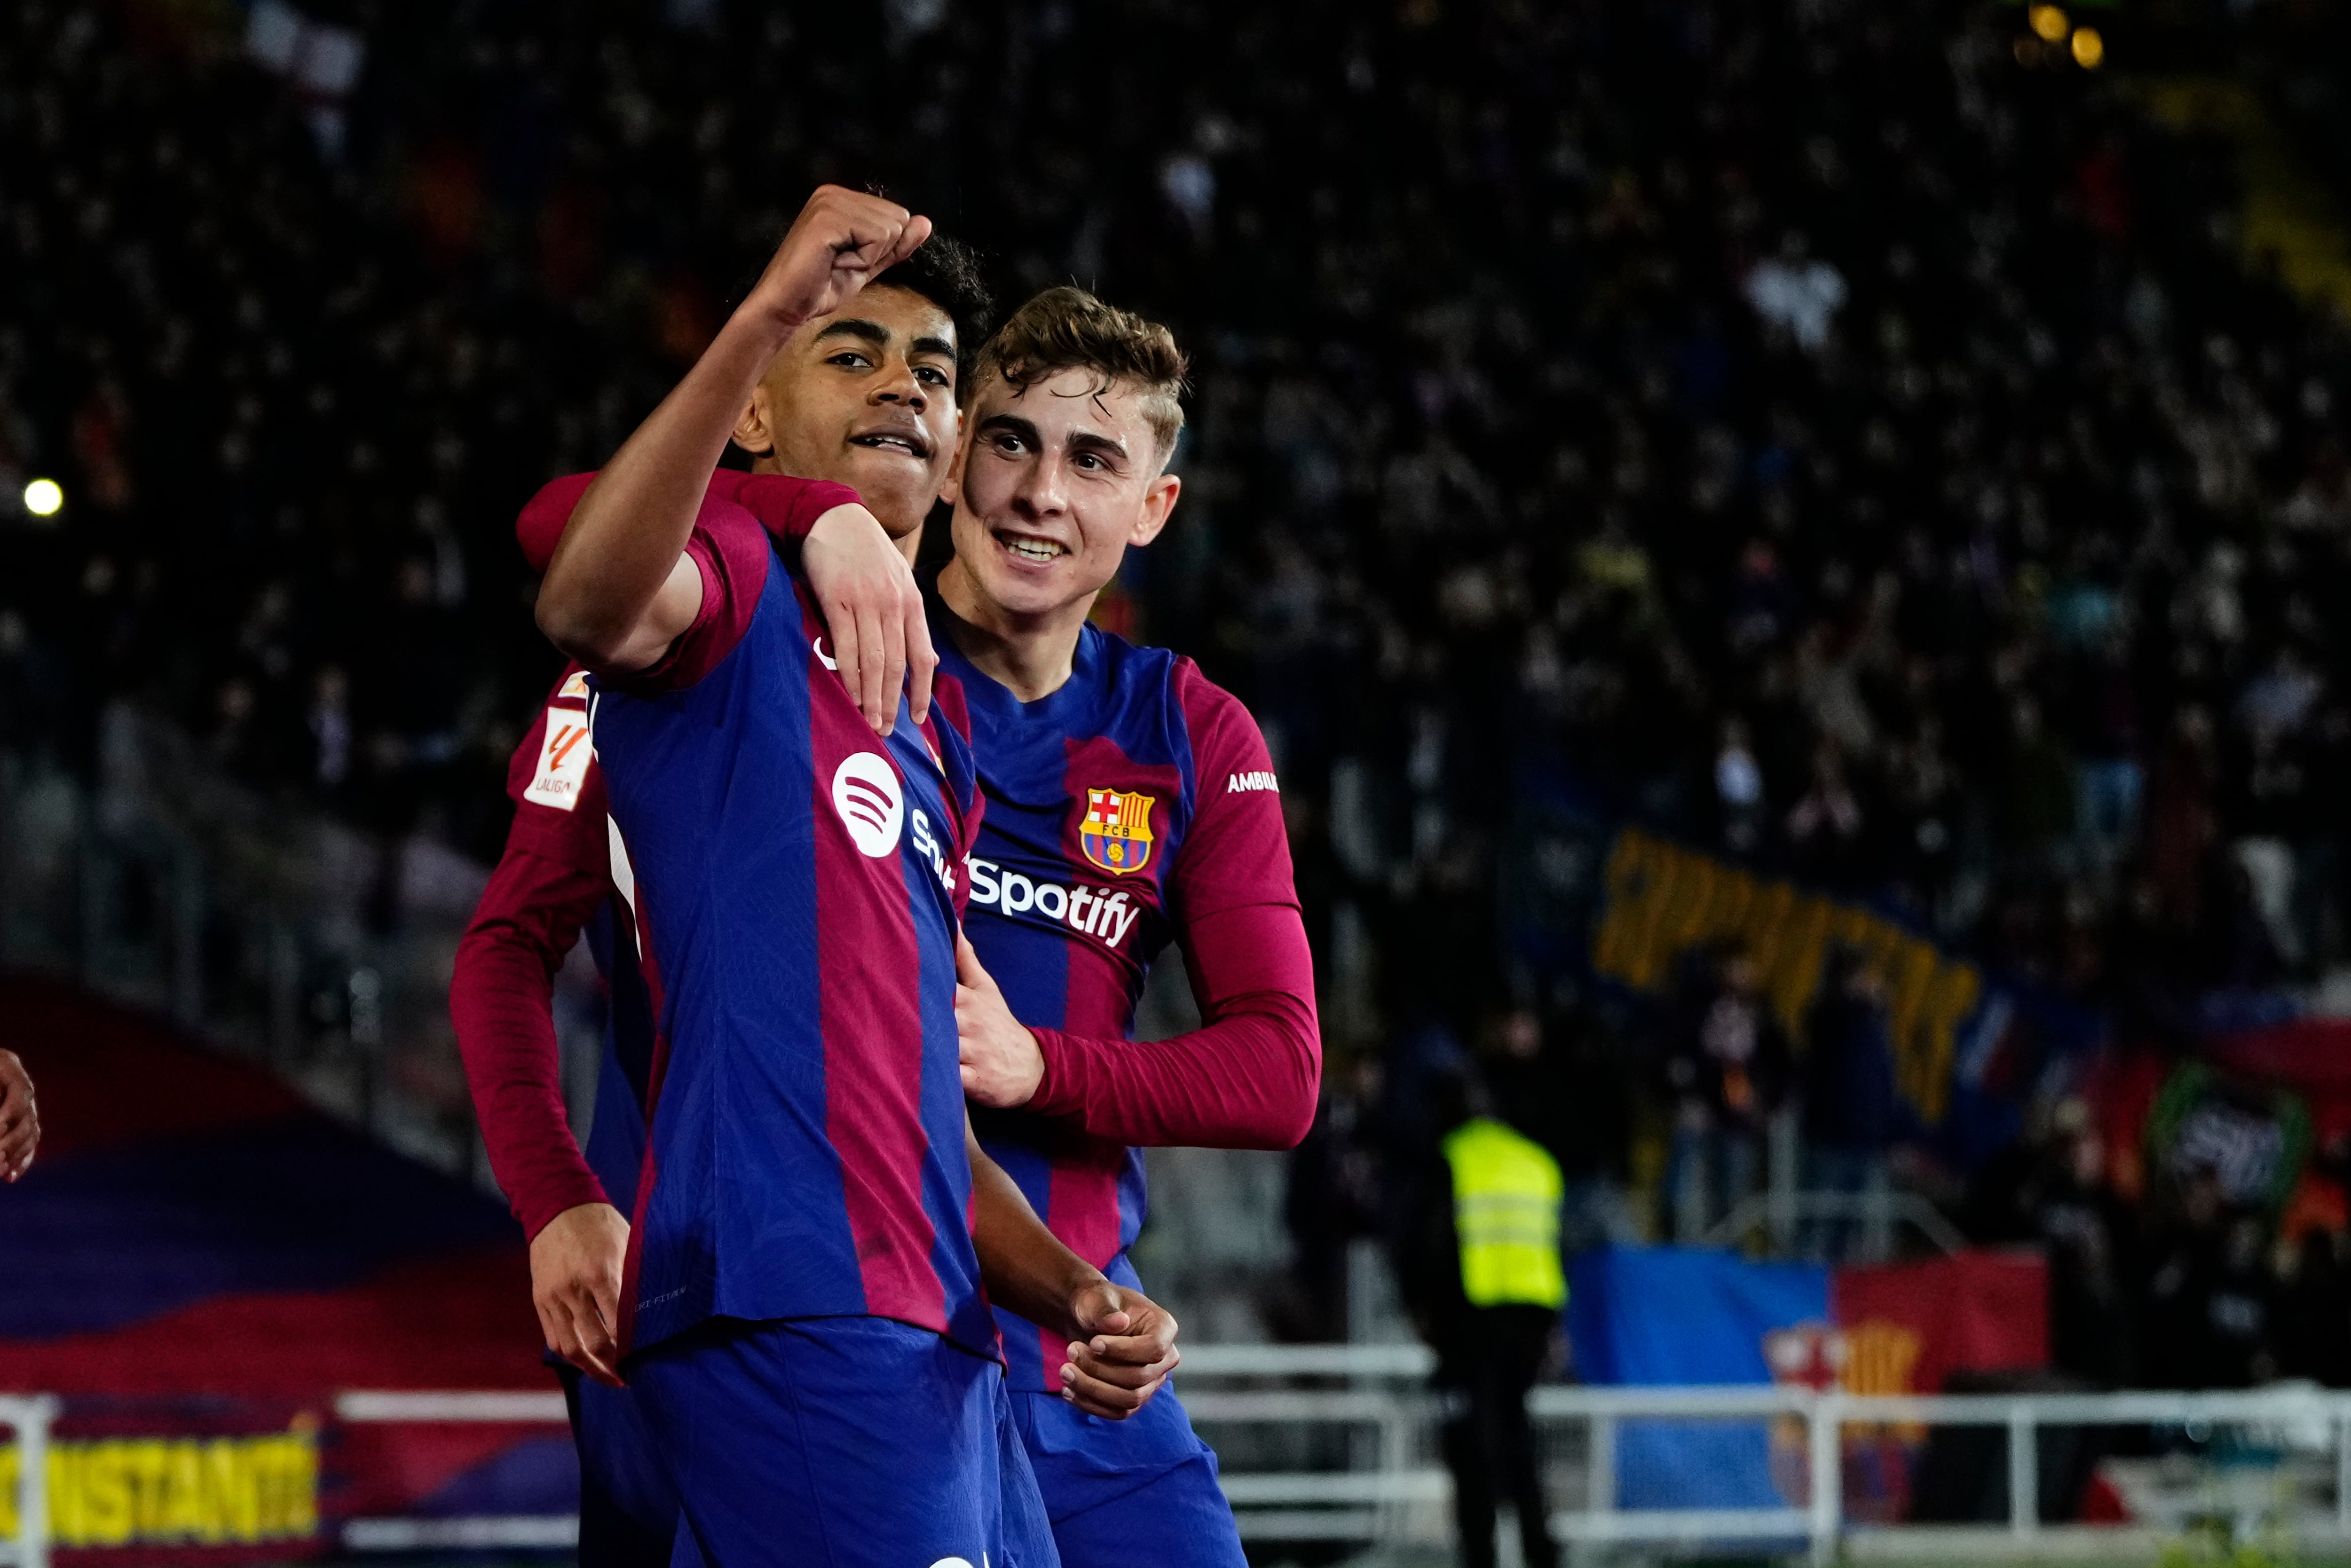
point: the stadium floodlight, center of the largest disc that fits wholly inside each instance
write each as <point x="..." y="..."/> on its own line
<point x="43" y="497"/>
<point x="2089" y="48"/>
<point x="2049" y="21"/>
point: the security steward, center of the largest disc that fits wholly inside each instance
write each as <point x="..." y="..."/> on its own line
<point x="1485" y="1289"/>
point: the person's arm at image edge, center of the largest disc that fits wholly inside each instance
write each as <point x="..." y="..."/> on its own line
<point x="20" y="1118"/>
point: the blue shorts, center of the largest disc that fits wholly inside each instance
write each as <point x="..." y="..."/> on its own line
<point x="628" y="1500"/>
<point x="838" y="1443"/>
<point x="1137" y="1493"/>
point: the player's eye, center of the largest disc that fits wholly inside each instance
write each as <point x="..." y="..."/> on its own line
<point x="933" y="374"/>
<point x="849" y="356"/>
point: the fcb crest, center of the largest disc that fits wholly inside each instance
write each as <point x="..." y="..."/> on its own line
<point x="1116" y="832"/>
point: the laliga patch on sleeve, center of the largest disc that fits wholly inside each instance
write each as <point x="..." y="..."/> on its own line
<point x="563" y="758"/>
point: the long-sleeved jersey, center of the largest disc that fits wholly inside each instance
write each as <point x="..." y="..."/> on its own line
<point x="552" y="883"/>
<point x="1133" y="807"/>
<point x="792" y="880"/>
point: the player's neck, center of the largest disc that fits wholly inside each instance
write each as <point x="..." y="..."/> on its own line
<point x="906" y="535"/>
<point x="1031" y="656"/>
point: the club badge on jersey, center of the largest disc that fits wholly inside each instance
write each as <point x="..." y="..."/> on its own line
<point x="1116" y="832"/>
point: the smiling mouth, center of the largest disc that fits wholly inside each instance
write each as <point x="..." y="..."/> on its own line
<point x="903" y="442"/>
<point x="1022" y="546"/>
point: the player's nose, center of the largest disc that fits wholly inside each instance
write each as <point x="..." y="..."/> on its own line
<point x="900" y="384"/>
<point x="1042" y="491"/>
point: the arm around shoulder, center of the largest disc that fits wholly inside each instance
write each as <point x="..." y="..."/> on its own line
<point x="614" y="645"/>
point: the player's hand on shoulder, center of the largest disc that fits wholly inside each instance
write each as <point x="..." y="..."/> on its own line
<point x="1128" y="1356"/>
<point x="1002" y="1063"/>
<point x="841" y="241"/>
<point x="575" y="1284"/>
<point x="20" y="1118"/>
<point x="874" y="611"/>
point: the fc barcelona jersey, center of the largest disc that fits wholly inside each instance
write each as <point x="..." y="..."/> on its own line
<point x="793" y="881"/>
<point x="1107" y="805"/>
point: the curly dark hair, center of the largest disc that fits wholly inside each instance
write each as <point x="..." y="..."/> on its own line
<point x="946" y="272"/>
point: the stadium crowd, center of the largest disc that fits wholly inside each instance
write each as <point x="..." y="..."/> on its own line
<point x="1846" y="438"/>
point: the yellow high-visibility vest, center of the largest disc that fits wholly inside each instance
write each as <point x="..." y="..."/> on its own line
<point x="1506" y="1201"/>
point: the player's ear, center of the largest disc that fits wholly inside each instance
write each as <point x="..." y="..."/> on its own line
<point x="951" y="487"/>
<point x="1157" y="503"/>
<point x="751" y="432"/>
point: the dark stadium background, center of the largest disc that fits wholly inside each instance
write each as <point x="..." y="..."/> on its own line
<point x="1860" y="444"/>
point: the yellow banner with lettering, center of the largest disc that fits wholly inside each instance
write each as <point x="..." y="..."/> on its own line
<point x="1662" y="900"/>
<point x="176" y="1492"/>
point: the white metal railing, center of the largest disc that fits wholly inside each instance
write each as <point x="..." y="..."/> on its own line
<point x="30" y="1420"/>
<point x="1351" y="1360"/>
<point x="1378" y="1395"/>
<point x="523" y="1406"/>
<point x="1395" y="1417"/>
<point x="407" y="1406"/>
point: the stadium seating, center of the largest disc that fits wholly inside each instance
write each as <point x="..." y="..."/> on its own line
<point x="1852" y="443"/>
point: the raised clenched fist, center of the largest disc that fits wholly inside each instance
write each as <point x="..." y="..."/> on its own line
<point x="841" y="241"/>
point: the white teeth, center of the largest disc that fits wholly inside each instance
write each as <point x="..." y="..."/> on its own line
<point x="1033" y="549"/>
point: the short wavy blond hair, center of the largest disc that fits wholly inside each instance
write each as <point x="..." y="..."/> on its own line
<point x="1065" y="328"/>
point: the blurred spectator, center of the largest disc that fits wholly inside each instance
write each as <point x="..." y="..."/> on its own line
<point x="1848" y="1104"/>
<point x="2112" y="780"/>
<point x="1797" y="293"/>
<point x="2316" y="1308"/>
<point x="2034" y="806"/>
<point x="2089" y="1235"/>
<point x="1331" y="1196"/>
<point x="1560" y="1081"/>
<point x="330" y="730"/>
<point x="1825" y="828"/>
<point x="2238" y="1311"/>
<point x="1739" y="791"/>
<point x="2211" y="1312"/>
<point x="1726" y="1067"/>
<point x="2180" y="823"/>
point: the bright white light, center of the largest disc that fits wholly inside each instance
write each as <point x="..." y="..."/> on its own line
<point x="43" y="497"/>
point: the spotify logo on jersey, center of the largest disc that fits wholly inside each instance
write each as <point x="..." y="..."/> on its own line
<point x="866" y="793"/>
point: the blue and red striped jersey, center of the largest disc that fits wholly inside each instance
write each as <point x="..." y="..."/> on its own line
<point x="1133" y="800"/>
<point x="793" y="880"/>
